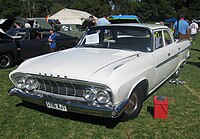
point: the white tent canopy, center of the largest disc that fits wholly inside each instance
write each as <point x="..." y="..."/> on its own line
<point x="70" y="16"/>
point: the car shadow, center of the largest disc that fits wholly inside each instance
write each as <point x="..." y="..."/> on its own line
<point x="107" y="122"/>
<point x="197" y="64"/>
<point x="195" y="49"/>
<point x="150" y="109"/>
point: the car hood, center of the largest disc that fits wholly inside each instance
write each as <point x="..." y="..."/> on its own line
<point x="4" y="36"/>
<point x="75" y="63"/>
<point x="7" y="24"/>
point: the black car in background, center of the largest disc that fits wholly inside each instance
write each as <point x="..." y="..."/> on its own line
<point x="20" y="44"/>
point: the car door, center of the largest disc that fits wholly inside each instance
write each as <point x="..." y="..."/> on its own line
<point x="32" y="46"/>
<point x="27" y="46"/>
<point x="173" y="49"/>
<point x="163" y="55"/>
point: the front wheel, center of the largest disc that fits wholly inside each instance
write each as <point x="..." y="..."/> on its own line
<point x="6" y="61"/>
<point x="134" y="105"/>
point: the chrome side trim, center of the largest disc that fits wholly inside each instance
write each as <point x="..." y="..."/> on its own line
<point x="170" y="58"/>
<point x="167" y="60"/>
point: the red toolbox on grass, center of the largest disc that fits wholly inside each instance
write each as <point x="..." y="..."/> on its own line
<point x="160" y="107"/>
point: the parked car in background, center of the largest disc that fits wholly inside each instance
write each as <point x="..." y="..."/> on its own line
<point x="116" y="19"/>
<point x="109" y="74"/>
<point x="24" y="43"/>
<point x="70" y="29"/>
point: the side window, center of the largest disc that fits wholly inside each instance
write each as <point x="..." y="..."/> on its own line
<point x="35" y="35"/>
<point x="109" y="39"/>
<point x="167" y="38"/>
<point x="108" y="35"/>
<point x="45" y="34"/>
<point x="158" y="39"/>
<point x="66" y="28"/>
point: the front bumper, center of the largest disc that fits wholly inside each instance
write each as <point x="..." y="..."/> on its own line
<point x="72" y="106"/>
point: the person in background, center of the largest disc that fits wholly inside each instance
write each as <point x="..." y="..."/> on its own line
<point x="102" y="21"/>
<point x="88" y="23"/>
<point x="52" y="41"/>
<point x="92" y="21"/>
<point x="58" y="21"/>
<point x="181" y="28"/>
<point x="162" y="23"/>
<point x="57" y="28"/>
<point x="16" y="25"/>
<point x="35" y="24"/>
<point x="193" y="30"/>
<point x="27" y="25"/>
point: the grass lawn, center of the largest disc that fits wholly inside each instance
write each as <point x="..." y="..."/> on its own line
<point x="21" y="120"/>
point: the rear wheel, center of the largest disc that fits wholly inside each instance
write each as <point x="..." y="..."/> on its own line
<point x="134" y="105"/>
<point x="6" y="61"/>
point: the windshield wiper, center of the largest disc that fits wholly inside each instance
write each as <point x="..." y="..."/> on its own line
<point x="117" y="47"/>
<point x="95" y="45"/>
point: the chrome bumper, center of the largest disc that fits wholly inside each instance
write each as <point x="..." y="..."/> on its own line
<point x="71" y="106"/>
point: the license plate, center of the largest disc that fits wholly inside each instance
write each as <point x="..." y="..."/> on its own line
<point x="56" y="106"/>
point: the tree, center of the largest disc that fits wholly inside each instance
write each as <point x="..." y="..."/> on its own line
<point x="9" y="8"/>
<point x="98" y="8"/>
<point x="155" y="10"/>
<point x="194" y="7"/>
<point x="148" y="10"/>
<point x="124" y="7"/>
<point x="36" y="8"/>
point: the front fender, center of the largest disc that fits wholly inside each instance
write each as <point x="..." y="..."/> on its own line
<point x="125" y="76"/>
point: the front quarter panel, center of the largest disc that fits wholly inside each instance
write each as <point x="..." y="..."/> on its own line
<point x="125" y="75"/>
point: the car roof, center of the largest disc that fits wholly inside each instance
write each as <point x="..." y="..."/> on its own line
<point x="30" y="29"/>
<point x="148" y="26"/>
<point x="65" y="24"/>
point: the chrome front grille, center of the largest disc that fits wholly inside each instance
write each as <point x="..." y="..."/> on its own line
<point x="61" y="88"/>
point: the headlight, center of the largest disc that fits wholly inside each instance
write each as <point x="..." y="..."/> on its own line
<point x="103" y="97"/>
<point x="20" y="82"/>
<point x="24" y="81"/>
<point x="90" y="94"/>
<point x="98" y="95"/>
<point x="31" y="84"/>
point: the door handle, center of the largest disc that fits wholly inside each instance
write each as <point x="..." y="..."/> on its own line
<point x="169" y="54"/>
<point x="179" y="49"/>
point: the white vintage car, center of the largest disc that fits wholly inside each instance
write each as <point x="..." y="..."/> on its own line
<point x="109" y="73"/>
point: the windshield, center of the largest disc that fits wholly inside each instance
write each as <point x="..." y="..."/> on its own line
<point x="4" y="37"/>
<point x="16" y="32"/>
<point x="118" y="37"/>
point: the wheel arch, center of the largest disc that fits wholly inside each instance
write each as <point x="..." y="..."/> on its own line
<point x="134" y="106"/>
<point x="144" y="84"/>
<point x="12" y="54"/>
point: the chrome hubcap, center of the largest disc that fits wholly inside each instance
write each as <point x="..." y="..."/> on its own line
<point x="132" y="104"/>
<point x="4" y="61"/>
